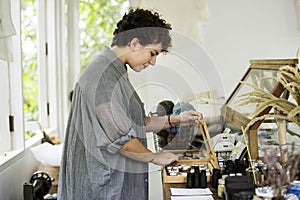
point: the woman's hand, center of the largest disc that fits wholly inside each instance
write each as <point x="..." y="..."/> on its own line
<point x="164" y="158"/>
<point x="186" y="118"/>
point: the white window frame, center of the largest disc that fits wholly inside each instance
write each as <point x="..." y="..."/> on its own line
<point x="12" y="92"/>
<point x="54" y="76"/>
<point x="5" y="139"/>
<point x="52" y="71"/>
<point x="42" y="69"/>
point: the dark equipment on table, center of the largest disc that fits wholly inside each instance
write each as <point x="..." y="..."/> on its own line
<point x="39" y="185"/>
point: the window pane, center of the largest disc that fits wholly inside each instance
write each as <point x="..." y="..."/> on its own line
<point x="97" y="23"/>
<point x="29" y="37"/>
<point x="29" y="58"/>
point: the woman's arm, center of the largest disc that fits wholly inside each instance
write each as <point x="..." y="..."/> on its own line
<point x="156" y="124"/>
<point x="135" y="150"/>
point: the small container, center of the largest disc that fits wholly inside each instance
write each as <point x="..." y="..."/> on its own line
<point x="222" y="165"/>
<point x="294" y="189"/>
<point x="203" y="179"/>
<point x="196" y="168"/>
<point x="238" y="179"/>
<point x="254" y="171"/>
<point x="197" y="180"/>
<point x="229" y="167"/>
<point x="190" y="180"/>
<point x="215" y="177"/>
<point x="234" y="188"/>
<point x="221" y="187"/>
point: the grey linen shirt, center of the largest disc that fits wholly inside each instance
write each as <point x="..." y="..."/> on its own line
<point x="106" y="112"/>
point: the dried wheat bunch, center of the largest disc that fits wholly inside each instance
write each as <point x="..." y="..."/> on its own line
<point x="290" y="79"/>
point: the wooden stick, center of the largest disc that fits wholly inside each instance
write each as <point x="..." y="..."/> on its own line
<point x="207" y="142"/>
<point x="249" y="155"/>
<point x="281" y="124"/>
<point x="210" y="144"/>
<point x="204" y="138"/>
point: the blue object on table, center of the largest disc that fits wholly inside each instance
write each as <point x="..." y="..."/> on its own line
<point x="294" y="189"/>
<point x="177" y="110"/>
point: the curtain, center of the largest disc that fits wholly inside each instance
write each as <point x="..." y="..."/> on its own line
<point x="7" y="30"/>
<point x="297" y="7"/>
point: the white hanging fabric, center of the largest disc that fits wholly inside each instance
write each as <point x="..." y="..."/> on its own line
<point x="297" y="7"/>
<point x="7" y="30"/>
<point x="184" y="16"/>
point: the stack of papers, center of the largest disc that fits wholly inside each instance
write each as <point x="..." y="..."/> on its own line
<point x="191" y="194"/>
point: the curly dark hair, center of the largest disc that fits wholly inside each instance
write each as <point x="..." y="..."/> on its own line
<point x="145" y="25"/>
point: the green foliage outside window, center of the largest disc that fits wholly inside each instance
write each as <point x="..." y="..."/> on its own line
<point x="98" y="19"/>
<point x="29" y="59"/>
<point x="97" y="22"/>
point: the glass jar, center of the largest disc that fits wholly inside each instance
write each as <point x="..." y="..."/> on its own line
<point x="254" y="172"/>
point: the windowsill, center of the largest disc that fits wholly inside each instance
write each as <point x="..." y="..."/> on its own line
<point x="34" y="140"/>
<point x="7" y="158"/>
<point x="10" y="157"/>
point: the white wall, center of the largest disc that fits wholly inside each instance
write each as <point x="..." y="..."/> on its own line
<point x="17" y="172"/>
<point x="236" y="31"/>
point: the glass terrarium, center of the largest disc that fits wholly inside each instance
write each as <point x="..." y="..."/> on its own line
<point x="262" y="75"/>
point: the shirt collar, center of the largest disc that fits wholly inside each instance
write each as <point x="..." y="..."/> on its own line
<point x="111" y="56"/>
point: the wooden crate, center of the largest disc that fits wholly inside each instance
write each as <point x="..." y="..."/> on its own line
<point x="182" y="179"/>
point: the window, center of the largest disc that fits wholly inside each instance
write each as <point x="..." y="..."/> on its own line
<point x="97" y="22"/>
<point x="37" y="71"/>
<point x="43" y="54"/>
<point x="34" y="87"/>
<point x="90" y="24"/>
<point x="31" y="65"/>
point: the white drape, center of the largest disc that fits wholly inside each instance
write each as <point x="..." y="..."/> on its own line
<point x="297" y="7"/>
<point x="184" y="16"/>
<point x="7" y="30"/>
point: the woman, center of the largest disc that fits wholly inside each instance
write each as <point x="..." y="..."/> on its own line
<point x="105" y="154"/>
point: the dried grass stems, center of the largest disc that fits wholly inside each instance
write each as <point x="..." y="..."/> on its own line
<point x="279" y="176"/>
<point x="290" y="79"/>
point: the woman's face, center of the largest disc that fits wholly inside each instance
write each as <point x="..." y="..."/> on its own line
<point x="143" y="56"/>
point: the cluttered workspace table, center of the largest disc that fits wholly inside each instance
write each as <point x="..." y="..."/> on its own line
<point x="189" y="179"/>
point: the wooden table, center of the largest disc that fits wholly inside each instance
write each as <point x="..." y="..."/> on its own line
<point x="167" y="192"/>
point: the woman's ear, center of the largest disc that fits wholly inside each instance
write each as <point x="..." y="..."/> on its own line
<point x="134" y="44"/>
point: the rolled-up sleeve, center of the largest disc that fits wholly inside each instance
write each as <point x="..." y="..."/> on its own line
<point x="116" y="145"/>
